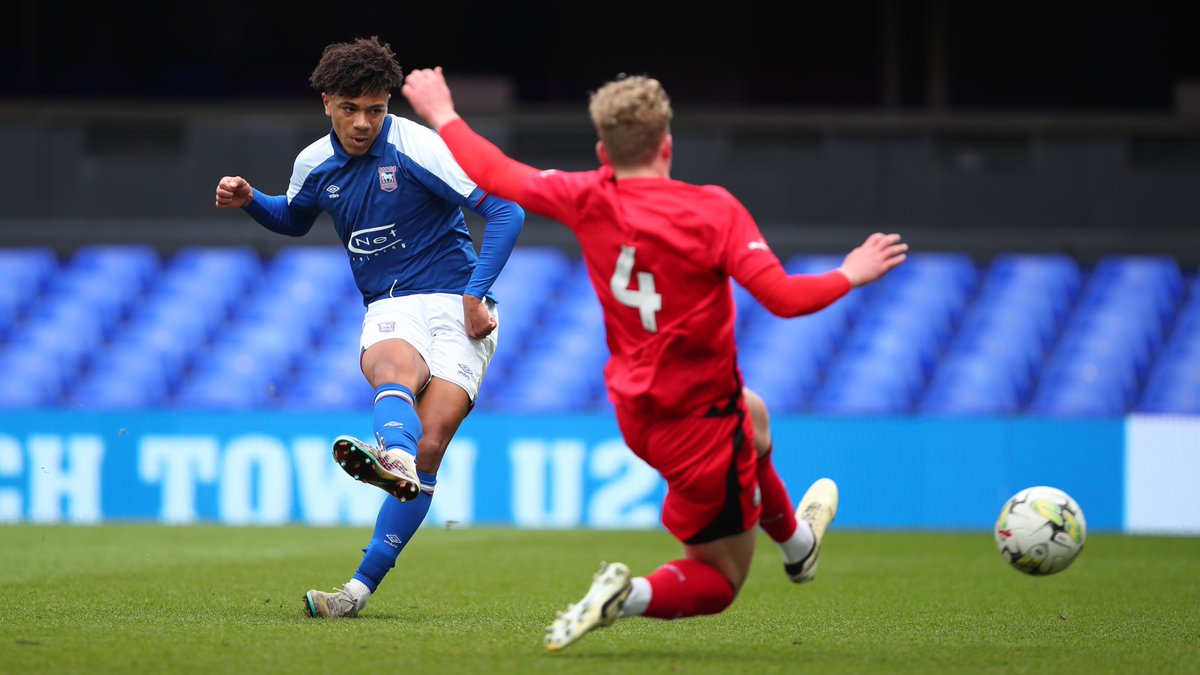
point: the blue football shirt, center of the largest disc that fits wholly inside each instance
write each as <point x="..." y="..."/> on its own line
<point x="397" y="209"/>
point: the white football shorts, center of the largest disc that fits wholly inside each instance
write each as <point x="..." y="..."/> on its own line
<point x="433" y="324"/>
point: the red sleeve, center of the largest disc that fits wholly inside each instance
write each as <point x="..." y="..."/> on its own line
<point x="789" y="295"/>
<point x="485" y="163"/>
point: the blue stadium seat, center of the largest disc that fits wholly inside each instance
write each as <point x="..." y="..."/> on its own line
<point x="320" y="263"/>
<point x="1156" y="279"/>
<point x="212" y="279"/>
<point x="785" y="385"/>
<point x="934" y="272"/>
<point x="1057" y="277"/>
<point x="78" y="296"/>
<point x="122" y="383"/>
<point x="64" y="334"/>
<point x="1016" y="357"/>
<point x="159" y="351"/>
<point x="785" y="359"/>
<point x="240" y="263"/>
<point x="1173" y="383"/>
<point x="232" y="379"/>
<point x="314" y="278"/>
<point x="168" y="319"/>
<point x="526" y="295"/>
<point x="1174" y="388"/>
<point x="972" y="384"/>
<point x="1084" y="385"/>
<point x="27" y="270"/>
<point x="26" y="273"/>
<point x="318" y="390"/>
<point x="31" y="380"/>
<point x="860" y="386"/>
<point x="133" y="266"/>
<point x="215" y="391"/>
<point x="1112" y="338"/>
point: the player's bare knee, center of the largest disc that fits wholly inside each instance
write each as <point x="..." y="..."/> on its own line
<point x="760" y="419"/>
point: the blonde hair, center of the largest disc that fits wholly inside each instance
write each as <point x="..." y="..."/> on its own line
<point x="632" y="114"/>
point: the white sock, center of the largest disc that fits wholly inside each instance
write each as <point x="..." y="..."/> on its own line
<point x="359" y="591"/>
<point x="799" y="545"/>
<point x="639" y="597"/>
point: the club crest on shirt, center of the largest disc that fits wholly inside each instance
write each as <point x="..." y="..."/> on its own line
<point x="387" y="178"/>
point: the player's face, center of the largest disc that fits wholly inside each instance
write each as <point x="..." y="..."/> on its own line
<point x="356" y="121"/>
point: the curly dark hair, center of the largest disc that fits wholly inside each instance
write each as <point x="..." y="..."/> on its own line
<point x="353" y="69"/>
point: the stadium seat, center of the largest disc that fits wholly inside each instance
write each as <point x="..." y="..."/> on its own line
<point x="1173" y="388"/>
<point x="784" y="385"/>
<point x="27" y="270"/>
<point x="1156" y="279"/>
<point x="526" y="294"/>
<point x="785" y="363"/>
<point x="112" y="388"/>
<point x="66" y="343"/>
<point x="316" y="390"/>
<point x="133" y="266"/>
<point x="31" y="380"/>
<point x="1016" y="357"/>
<point x="863" y="387"/>
<point x="320" y="263"/>
<point x="972" y="384"/>
<point x="240" y="263"/>
<point x="1026" y="333"/>
<point x="215" y="391"/>
<point x="1056" y="277"/>
<point x="1083" y="387"/>
<point x="1173" y="381"/>
<point x="104" y="304"/>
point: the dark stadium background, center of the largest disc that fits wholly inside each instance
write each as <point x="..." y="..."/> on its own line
<point x="881" y="55"/>
<point x="1059" y="126"/>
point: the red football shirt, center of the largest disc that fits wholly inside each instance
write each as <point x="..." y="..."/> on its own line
<point x="660" y="254"/>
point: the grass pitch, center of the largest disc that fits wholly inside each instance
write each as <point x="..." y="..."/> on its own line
<point x="151" y="599"/>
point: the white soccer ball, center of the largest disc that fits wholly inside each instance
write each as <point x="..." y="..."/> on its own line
<point x="1040" y="530"/>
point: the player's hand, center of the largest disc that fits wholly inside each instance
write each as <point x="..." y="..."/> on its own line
<point x="875" y="257"/>
<point x="233" y="192"/>
<point x="476" y="318"/>
<point x="429" y="96"/>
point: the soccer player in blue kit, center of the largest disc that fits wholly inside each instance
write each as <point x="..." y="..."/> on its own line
<point x="395" y="194"/>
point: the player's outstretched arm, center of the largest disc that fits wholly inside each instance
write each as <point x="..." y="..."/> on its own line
<point x="484" y="162"/>
<point x="429" y="95"/>
<point x="872" y="259"/>
<point x="233" y="192"/>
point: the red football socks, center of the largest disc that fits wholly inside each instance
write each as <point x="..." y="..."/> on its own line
<point x="778" y="513"/>
<point x="684" y="588"/>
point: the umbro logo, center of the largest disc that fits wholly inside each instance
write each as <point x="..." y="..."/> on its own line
<point x="333" y="191"/>
<point x="759" y="245"/>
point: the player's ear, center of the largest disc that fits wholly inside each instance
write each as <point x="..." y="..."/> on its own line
<point x="325" y="102"/>
<point x="666" y="147"/>
<point x="601" y="154"/>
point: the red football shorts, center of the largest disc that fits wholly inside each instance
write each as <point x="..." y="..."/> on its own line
<point x="710" y="467"/>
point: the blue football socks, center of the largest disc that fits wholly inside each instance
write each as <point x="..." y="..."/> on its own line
<point x="395" y="526"/>
<point x="396" y="421"/>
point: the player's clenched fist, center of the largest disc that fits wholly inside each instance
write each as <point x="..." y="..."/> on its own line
<point x="233" y="192"/>
<point x="428" y="94"/>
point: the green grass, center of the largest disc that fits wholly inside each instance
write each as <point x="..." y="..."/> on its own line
<point x="148" y="599"/>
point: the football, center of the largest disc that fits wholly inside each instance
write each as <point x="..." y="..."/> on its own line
<point x="1041" y="530"/>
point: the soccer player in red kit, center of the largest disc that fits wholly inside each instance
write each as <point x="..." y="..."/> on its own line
<point x="660" y="254"/>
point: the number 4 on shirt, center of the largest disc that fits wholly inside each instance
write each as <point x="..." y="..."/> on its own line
<point x="644" y="298"/>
